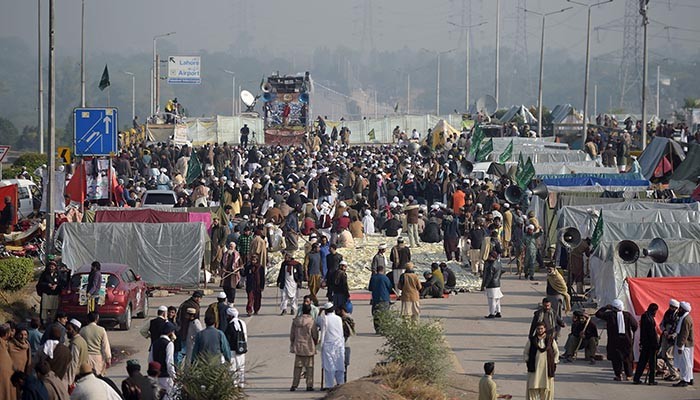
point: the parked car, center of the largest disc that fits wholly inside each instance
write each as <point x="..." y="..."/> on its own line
<point x="125" y="295"/>
<point x="159" y="198"/>
<point x="29" y="196"/>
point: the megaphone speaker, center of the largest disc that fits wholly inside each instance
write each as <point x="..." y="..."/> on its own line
<point x="466" y="167"/>
<point x="657" y="250"/>
<point x="540" y="191"/>
<point x="425" y="151"/>
<point x="628" y="251"/>
<point x="570" y="237"/>
<point x="304" y="98"/>
<point x="268" y="97"/>
<point x="513" y="194"/>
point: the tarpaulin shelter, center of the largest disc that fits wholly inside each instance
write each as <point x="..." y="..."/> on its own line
<point x="163" y="254"/>
<point x="644" y="291"/>
<point x="608" y="271"/>
<point x="11" y="192"/>
<point x="149" y="215"/>
<point x="662" y="153"/>
<point x="441" y="131"/>
<point x="520" y="111"/>
<point x="684" y="178"/>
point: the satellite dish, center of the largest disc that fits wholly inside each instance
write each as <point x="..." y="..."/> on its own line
<point x="247" y="98"/>
<point x="486" y="104"/>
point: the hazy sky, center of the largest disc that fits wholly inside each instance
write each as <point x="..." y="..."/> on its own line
<point x="128" y="26"/>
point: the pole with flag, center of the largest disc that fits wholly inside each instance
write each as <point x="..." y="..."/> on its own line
<point x="507" y="153"/>
<point x="484" y="151"/>
<point x="194" y="169"/>
<point x="372" y="135"/>
<point x="104" y="82"/>
<point x="597" y="232"/>
<point x="477" y="137"/>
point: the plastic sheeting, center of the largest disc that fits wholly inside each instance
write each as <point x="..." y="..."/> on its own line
<point x="658" y="148"/>
<point x="163" y="254"/>
<point x="576" y="180"/>
<point x="644" y="291"/>
<point x="608" y="271"/>
<point x="683" y="179"/>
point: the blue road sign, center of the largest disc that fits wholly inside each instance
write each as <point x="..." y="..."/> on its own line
<point x="95" y="131"/>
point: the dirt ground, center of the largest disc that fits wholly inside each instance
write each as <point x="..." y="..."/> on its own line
<point x="458" y="386"/>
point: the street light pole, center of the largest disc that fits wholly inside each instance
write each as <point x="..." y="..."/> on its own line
<point x="498" y="46"/>
<point x="156" y="70"/>
<point x="645" y="22"/>
<point x="50" y="217"/>
<point x="539" y="94"/>
<point x="437" y="91"/>
<point x="468" y="28"/>
<point x="233" y="91"/>
<point x="408" y="93"/>
<point x="40" y="79"/>
<point x="133" y="94"/>
<point x="658" y="90"/>
<point x="82" y="55"/>
<point x="584" y="130"/>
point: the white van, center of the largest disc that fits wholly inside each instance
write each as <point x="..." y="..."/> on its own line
<point x="28" y="193"/>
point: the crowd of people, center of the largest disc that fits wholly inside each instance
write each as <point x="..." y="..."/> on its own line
<point x="331" y="196"/>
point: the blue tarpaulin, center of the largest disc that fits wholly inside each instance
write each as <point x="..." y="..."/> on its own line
<point x="577" y="180"/>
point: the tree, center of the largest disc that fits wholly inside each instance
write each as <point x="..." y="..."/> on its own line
<point x="8" y="132"/>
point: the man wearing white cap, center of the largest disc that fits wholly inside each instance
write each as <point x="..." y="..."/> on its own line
<point x="379" y="259"/>
<point x="685" y="346"/>
<point x="153" y="328"/>
<point x="668" y="339"/>
<point x="333" y="347"/>
<point x="237" y="336"/>
<point x="78" y="350"/>
<point x="621" y="327"/>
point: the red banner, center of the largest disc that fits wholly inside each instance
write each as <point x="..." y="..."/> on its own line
<point x="141" y="215"/>
<point x="644" y="291"/>
<point x="10" y="190"/>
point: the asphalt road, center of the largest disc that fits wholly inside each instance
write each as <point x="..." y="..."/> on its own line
<point x="474" y="340"/>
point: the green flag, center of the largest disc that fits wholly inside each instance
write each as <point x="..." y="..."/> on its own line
<point x="484" y="151"/>
<point x="104" y="82"/>
<point x="519" y="168"/>
<point x="371" y="135"/>
<point x="194" y="169"/>
<point x="528" y="174"/>
<point x="477" y="137"/>
<point x="507" y="153"/>
<point x="597" y="232"/>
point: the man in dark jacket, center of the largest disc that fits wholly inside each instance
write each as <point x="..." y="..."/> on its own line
<point x="431" y="233"/>
<point x="183" y="319"/>
<point x="289" y="281"/>
<point x="49" y="287"/>
<point x="545" y="314"/>
<point x="648" y="345"/>
<point x="621" y="326"/>
<point x="450" y="227"/>
<point x="491" y="282"/>
<point x="30" y="387"/>
<point x="137" y="386"/>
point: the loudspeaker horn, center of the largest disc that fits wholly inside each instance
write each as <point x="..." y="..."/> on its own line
<point x="540" y="191"/>
<point x="628" y="251"/>
<point x="413" y="148"/>
<point x="266" y="87"/>
<point x="466" y="167"/>
<point x="304" y="98"/>
<point x="268" y="97"/>
<point x="657" y="250"/>
<point x="570" y="237"/>
<point x="513" y="194"/>
<point x="425" y="151"/>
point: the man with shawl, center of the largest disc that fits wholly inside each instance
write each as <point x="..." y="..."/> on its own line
<point x="621" y="326"/>
<point x="557" y="292"/>
<point x="254" y="273"/>
<point x="683" y="357"/>
<point x="541" y="356"/>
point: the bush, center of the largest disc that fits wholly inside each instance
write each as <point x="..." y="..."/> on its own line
<point x="31" y="161"/>
<point x="418" y="347"/>
<point x="207" y="379"/>
<point x="15" y="273"/>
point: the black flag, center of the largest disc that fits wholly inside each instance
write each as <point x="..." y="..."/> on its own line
<point x="104" y="82"/>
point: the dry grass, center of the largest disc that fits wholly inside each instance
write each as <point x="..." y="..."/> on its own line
<point x="404" y="382"/>
<point x="20" y="305"/>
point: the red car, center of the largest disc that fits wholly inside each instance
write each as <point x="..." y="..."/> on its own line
<point x="123" y="295"/>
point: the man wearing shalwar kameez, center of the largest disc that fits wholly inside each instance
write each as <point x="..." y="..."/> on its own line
<point x="541" y="356"/>
<point x="683" y="357"/>
<point x="289" y="280"/>
<point x="332" y="347"/>
<point x="621" y="326"/>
